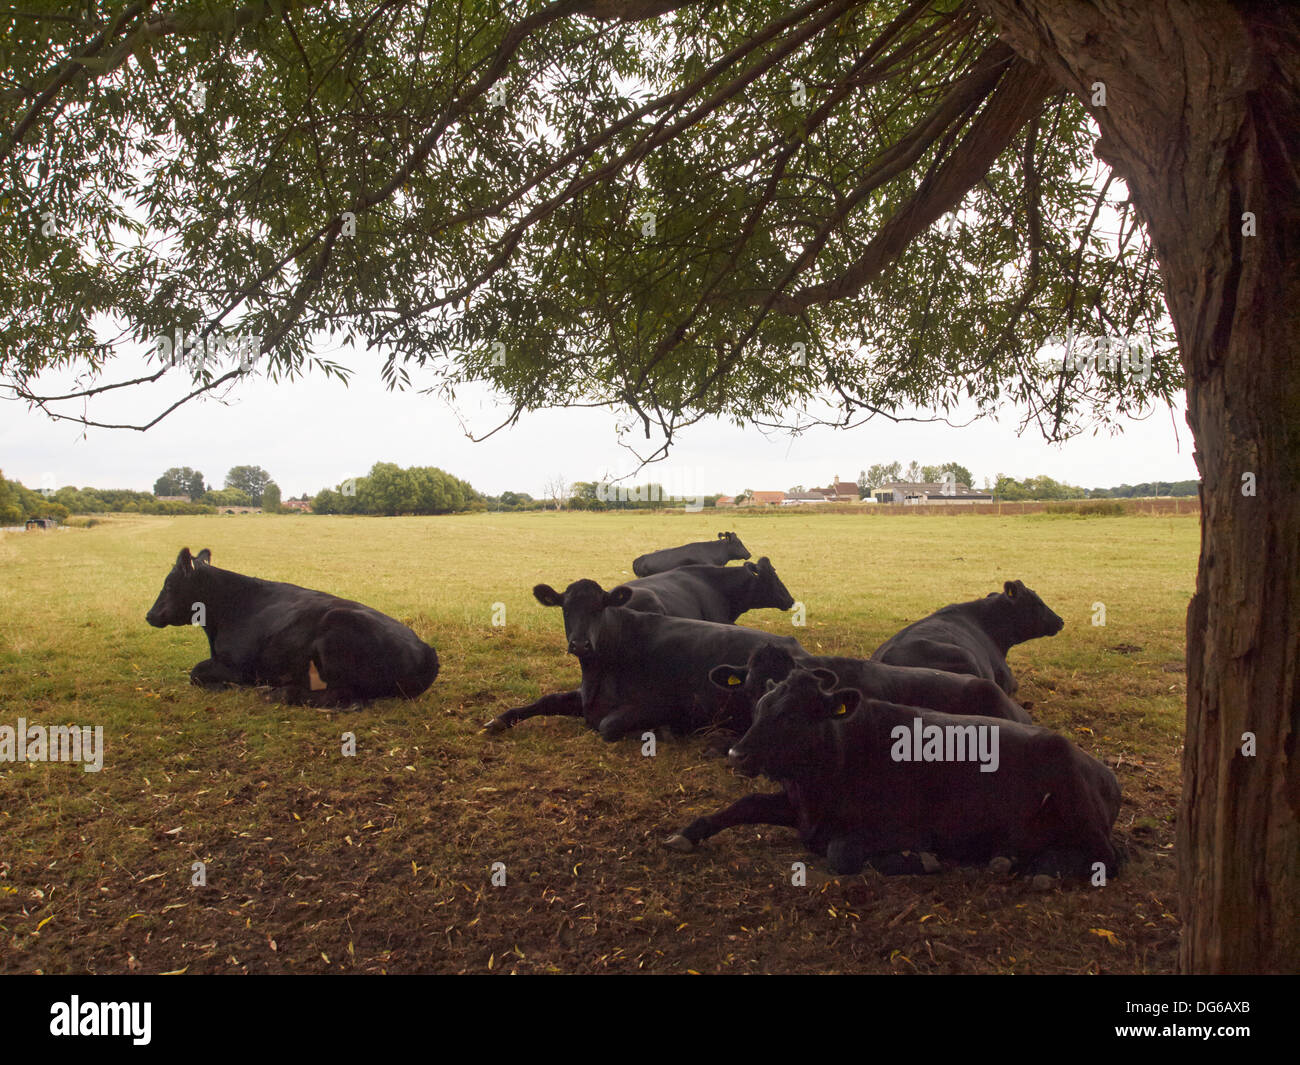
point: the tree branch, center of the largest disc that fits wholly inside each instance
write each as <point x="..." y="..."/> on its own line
<point x="1021" y="90"/>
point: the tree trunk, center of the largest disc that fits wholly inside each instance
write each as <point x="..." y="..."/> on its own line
<point x="1202" y="120"/>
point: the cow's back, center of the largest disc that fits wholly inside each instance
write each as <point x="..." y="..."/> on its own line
<point x="952" y="807"/>
<point x="933" y="689"/>
<point x="681" y="593"/>
<point x="650" y="658"/>
<point x="704" y="553"/>
<point x="953" y="640"/>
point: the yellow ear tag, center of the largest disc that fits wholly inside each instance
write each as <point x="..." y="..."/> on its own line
<point x="841" y="710"/>
<point x="733" y="680"/>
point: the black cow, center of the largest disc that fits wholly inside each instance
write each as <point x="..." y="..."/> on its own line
<point x="311" y="647"/>
<point x="641" y="670"/>
<point x="856" y="786"/>
<point x="704" y="553"/>
<point x="951" y="693"/>
<point x="705" y="593"/>
<point x="974" y="637"/>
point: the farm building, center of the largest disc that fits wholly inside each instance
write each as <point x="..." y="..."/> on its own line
<point x="908" y="492"/>
<point x="838" y="491"/>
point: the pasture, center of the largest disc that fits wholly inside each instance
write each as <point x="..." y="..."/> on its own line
<point x="382" y="861"/>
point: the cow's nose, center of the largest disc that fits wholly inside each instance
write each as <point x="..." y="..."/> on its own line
<point x="579" y="647"/>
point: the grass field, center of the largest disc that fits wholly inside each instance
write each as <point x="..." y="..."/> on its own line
<point x="382" y="861"/>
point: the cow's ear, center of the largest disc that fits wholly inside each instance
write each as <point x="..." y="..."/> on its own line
<point x="185" y="561"/>
<point x="722" y="536"/>
<point x="752" y="568"/>
<point x="845" y="701"/>
<point x="547" y="596"/>
<point x="204" y="556"/>
<point x="826" y="680"/>
<point x="619" y="596"/>
<point x="728" y="676"/>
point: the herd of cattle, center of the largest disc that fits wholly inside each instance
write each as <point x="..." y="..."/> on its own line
<point x="915" y="753"/>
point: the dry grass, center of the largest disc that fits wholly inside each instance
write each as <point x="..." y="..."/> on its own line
<point x="382" y="861"/>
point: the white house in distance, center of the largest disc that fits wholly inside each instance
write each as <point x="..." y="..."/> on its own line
<point x="915" y="493"/>
<point x="801" y="499"/>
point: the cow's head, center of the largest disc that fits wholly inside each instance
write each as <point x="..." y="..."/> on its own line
<point x="175" y="603"/>
<point x="767" y="667"/>
<point x="583" y="602"/>
<point x="735" y="549"/>
<point x="767" y="589"/>
<point x="1030" y="616"/>
<point x="792" y="737"/>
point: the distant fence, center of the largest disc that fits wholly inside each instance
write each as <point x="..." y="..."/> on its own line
<point x="1165" y="505"/>
<point x="1099" y="507"/>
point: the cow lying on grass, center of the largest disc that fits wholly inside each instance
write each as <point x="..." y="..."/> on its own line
<point x="311" y="647"/>
<point x="860" y="784"/>
<point x="703" y="593"/>
<point x="974" y="637"/>
<point x="703" y="553"/>
<point x="642" y="670"/>
<point x="951" y="693"/>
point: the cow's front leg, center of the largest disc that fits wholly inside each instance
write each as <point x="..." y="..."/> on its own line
<point x="563" y="704"/>
<point x="214" y="676"/>
<point x="618" y="723"/>
<point x="760" y="808"/>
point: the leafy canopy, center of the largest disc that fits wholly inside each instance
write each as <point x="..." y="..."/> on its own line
<point x="724" y="208"/>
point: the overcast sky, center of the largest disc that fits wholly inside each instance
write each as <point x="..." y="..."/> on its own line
<point x="313" y="433"/>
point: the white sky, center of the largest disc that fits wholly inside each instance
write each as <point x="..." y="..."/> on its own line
<point x="314" y="432"/>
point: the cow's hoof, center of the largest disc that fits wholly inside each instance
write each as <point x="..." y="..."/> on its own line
<point x="1043" y="882"/>
<point x="1000" y="866"/>
<point x="678" y="842"/>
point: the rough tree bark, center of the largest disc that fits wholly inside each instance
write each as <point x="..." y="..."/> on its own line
<point x="1202" y="120"/>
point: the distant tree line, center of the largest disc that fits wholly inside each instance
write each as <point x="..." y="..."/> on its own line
<point x="1149" y="488"/>
<point x="19" y="503"/>
<point x="599" y="495"/>
<point x="390" y="489"/>
<point x="1044" y="488"/>
<point x="1008" y="489"/>
<point x="246" y="486"/>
